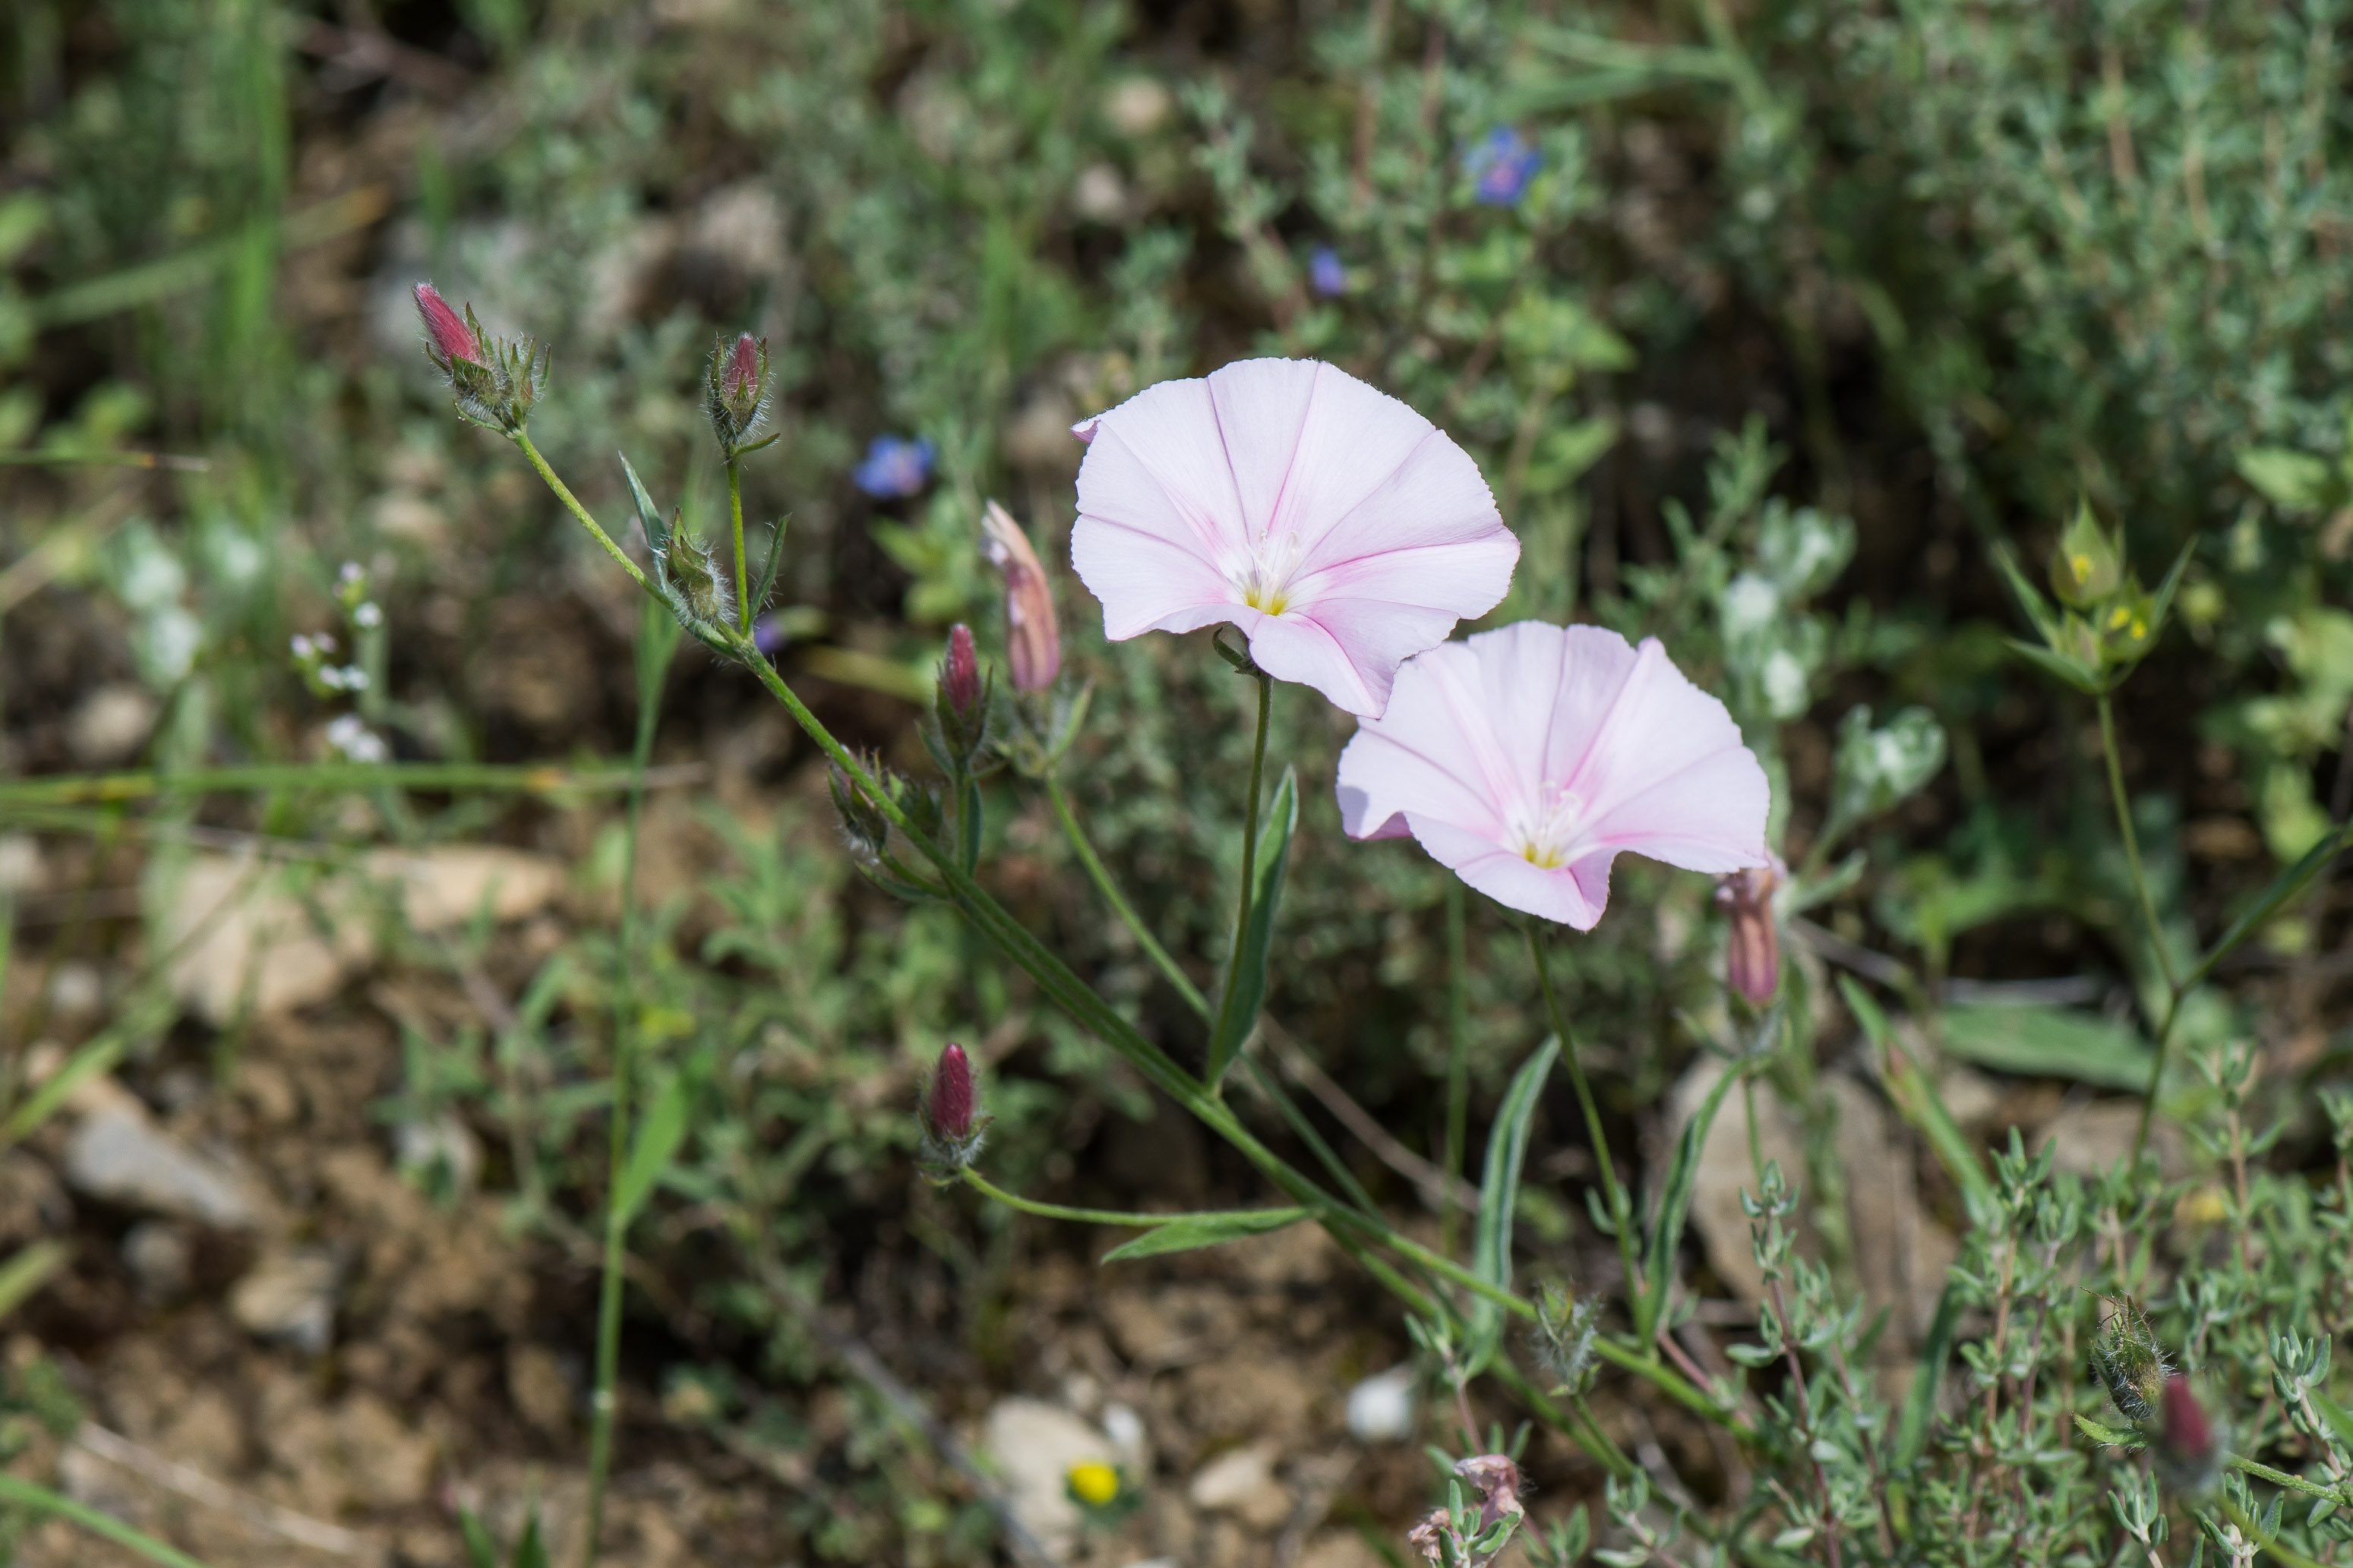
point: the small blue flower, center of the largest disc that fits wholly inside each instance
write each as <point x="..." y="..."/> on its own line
<point x="1500" y="164"/>
<point x="768" y="634"/>
<point x="895" y="467"/>
<point x="1326" y="273"/>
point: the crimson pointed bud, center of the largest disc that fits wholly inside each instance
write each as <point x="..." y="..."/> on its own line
<point x="735" y="389"/>
<point x="446" y="334"/>
<point x="1752" y="958"/>
<point x="1033" y="641"/>
<point x="952" y="1122"/>
<point x="2188" y="1448"/>
<point x="960" y="671"/>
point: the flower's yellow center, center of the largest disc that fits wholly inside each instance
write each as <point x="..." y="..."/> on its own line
<point x="1095" y="1482"/>
<point x="1545" y="832"/>
<point x="1265" y="583"/>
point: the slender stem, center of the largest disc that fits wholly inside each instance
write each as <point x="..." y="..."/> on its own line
<point x="1458" y="1049"/>
<point x="1226" y="1023"/>
<point x="625" y="1032"/>
<point x="26" y="1494"/>
<point x="736" y="516"/>
<point x="572" y="504"/>
<point x="1620" y="1212"/>
<point x="71" y="789"/>
<point x="980" y="1183"/>
<point x="2132" y="843"/>
<point x="2255" y="1533"/>
<point x="1099" y="875"/>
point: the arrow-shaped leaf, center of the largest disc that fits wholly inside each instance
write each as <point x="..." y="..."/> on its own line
<point x="1674" y="1203"/>
<point x="659" y="1138"/>
<point x="1246" y="980"/>
<point x="1499" y="1190"/>
<point x="1198" y="1230"/>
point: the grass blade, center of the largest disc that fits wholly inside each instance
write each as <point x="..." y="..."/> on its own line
<point x="1234" y="1022"/>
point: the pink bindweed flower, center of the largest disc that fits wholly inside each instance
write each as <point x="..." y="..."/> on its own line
<point x="446" y="335"/>
<point x="1527" y="759"/>
<point x="1033" y="641"/>
<point x="1341" y="531"/>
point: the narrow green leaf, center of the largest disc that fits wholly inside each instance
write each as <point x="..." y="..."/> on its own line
<point x="2339" y="1419"/>
<point x="27" y="1269"/>
<point x="659" y="1138"/>
<point x="97" y="1055"/>
<point x="1247" y="976"/>
<point x="650" y="517"/>
<point x="1499" y="1189"/>
<point x="2282" y="887"/>
<point x="1195" y="1231"/>
<point x="2044" y="620"/>
<point x="1920" y="1401"/>
<point x="481" y="1550"/>
<point x="1915" y="1100"/>
<point x="531" y="1551"/>
<point x="2163" y="603"/>
<point x="1674" y="1202"/>
<point x="2042" y="1041"/>
<point x="2111" y="1437"/>
<point x="22" y="1493"/>
<point x="2067" y="670"/>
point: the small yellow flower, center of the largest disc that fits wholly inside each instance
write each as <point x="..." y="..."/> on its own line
<point x="1094" y="1483"/>
<point x="2080" y="565"/>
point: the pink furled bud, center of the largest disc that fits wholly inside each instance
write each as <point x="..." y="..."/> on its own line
<point x="1033" y="641"/>
<point x="743" y="367"/>
<point x="951" y="1107"/>
<point x="960" y="671"/>
<point x="446" y="335"/>
<point x="2189" y="1448"/>
<point x="1498" y="1480"/>
<point x="1752" y="959"/>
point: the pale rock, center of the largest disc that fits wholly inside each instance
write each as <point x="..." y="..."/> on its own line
<point x="1339" y="1548"/>
<point x="2094" y="1136"/>
<point x="742" y="227"/>
<point x="110" y="724"/>
<point x="1242" y="1483"/>
<point x="543" y="1394"/>
<point x="1100" y="196"/>
<point x="405" y="515"/>
<point x="1035" y="1445"/>
<point x="1125" y="1427"/>
<point x="289" y="1296"/>
<point x="118" y="1155"/>
<point x="161" y="1258"/>
<point x="1137" y="105"/>
<point x="1380" y="1408"/>
<point x="21" y="869"/>
<point x="77" y="990"/>
<point x="237" y="926"/>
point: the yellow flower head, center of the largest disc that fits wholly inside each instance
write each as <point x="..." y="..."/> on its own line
<point x="1094" y="1483"/>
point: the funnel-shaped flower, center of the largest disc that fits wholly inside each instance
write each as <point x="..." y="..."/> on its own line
<point x="1341" y="531"/>
<point x="1527" y="759"/>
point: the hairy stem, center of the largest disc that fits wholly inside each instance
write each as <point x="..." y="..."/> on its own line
<point x="1620" y="1212"/>
<point x="1226" y="1023"/>
<point x="735" y="519"/>
<point x="572" y="504"/>
<point x="1099" y="875"/>
<point x="981" y="1184"/>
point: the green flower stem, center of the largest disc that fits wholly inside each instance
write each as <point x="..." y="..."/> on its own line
<point x="981" y="1184"/>
<point x="624" y="1035"/>
<point x="1592" y="1439"/>
<point x="2280" y="1478"/>
<point x="41" y="1499"/>
<point x="572" y="504"/>
<point x="1228" y="1024"/>
<point x="1099" y="875"/>
<point x="75" y="789"/>
<point x="736" y="517"/>
<point x="2173" y="982"/>
<point x="1620" y="1212"/>
<point x="1458" y="1048"/>
<point x="1089" y="1011"/>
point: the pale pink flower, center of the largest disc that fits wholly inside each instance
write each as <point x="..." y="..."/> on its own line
<point x="1341" y="531"/>
<point x="1527" y="759"/>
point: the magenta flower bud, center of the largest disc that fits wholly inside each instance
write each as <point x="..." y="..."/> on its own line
<point x="1033" y="641"/>
<point x="735" y="390"/>
<point x="2189" y="1448"/>
<point x="446" y="334"/>
<point x="951" y="1107"/>
<point x="1752" y="959"/>
<point x="960" y="671"/>
<point x="743" y="367"/>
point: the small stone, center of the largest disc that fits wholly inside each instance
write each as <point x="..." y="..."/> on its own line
<point x="289" y="1296"/>
<point x="1125" y="1427"/>
<point x="120" y="1155"/>
<point x="162" y="1258"/>
<point x="543" y="1394"/>
<point x="109" y="725"/>
<point x="1035" y="1445"/>
<point x="76" y="990"/>
<point x="1242" y="1483"/>
<point x="21" y="869"/>
<point x="1380" y="1408"/>
<point x="1339" y="1548"/>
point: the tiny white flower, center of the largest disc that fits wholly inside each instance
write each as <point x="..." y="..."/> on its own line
<point x="367" y="616"/>
<point x="1380" y="1408"/>
<point x="303" y="648"/>
<point x="355" y="740"/>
